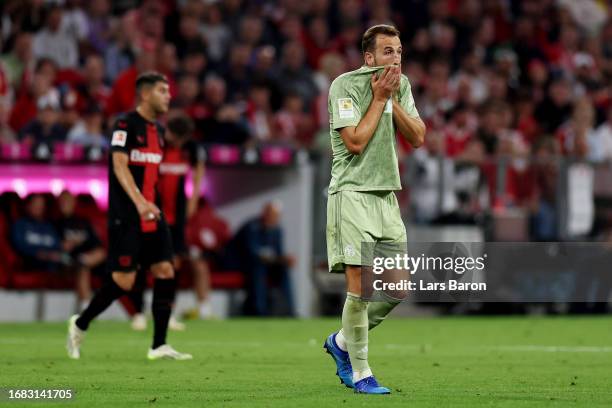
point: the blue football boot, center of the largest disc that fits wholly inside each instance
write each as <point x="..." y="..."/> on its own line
<point x="341" y="358"/>
<point x="369" y="385"/>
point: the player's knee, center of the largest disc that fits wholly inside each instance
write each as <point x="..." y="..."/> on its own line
<point x="124" y="280"/>
<point x="163" y="270"/>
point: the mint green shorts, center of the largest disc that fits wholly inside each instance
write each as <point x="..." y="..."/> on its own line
<point x="356" y="217"/>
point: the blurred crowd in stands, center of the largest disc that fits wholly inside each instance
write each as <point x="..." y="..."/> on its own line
<point x="489" y="77"/>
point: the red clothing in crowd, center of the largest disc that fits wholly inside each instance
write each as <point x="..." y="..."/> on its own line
<point x="23" y="111"/>
<point x="456" y="140"/>
<point x="206" y="230"/>
<point x="520" y="185"/>
<point x="4" y="85"/>
<point x="123" y="94"/>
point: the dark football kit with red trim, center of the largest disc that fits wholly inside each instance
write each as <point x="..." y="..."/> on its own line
<point x="173" y="172"/>
<point x="135" y="243"/>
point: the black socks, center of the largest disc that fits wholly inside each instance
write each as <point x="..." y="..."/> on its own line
<point x="164" y="291"/>
<point x="100" y="302"/>
<point x="136" y="295"/>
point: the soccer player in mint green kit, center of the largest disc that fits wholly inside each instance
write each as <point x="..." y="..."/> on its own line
<point x="366" y="108"/>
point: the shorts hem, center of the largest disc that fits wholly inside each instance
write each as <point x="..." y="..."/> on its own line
<point x="337" y="265"/>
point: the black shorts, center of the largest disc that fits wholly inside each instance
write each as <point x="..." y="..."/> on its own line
<point x="177" y="232"/>
<point x="130" y="249"/>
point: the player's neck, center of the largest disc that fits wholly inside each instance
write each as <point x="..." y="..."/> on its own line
<point x="146" y="113"/>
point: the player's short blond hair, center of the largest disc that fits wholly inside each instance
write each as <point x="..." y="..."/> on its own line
<point x="368" y="41"/>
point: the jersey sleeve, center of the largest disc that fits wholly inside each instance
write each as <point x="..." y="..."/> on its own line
<point x="343" y="105"/>
<point x="406" y="98"/>
<point x="120" y="137"/>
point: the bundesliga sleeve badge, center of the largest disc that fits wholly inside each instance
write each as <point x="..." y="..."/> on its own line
<point x="345" y="108"/>
<point x="119" y="138"/>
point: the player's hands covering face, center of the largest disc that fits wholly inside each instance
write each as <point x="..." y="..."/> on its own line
<point x="387" y="83"/>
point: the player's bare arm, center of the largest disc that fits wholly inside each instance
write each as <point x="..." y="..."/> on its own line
<point x="146" y="209"/>
<point x="356" y="138"/>
<point x="412" y="129"/>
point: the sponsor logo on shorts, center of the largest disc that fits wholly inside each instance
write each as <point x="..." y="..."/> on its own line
<point x="349" y="250"/>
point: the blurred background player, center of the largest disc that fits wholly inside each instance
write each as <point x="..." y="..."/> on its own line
<point x="138" y="234"/>
<point x="181" y="155"/>
<point x="366" y="106"/>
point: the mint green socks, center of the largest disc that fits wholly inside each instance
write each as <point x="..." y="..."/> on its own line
<point x="358" y="317"/>
<point x="378" y="311"/>
<point x="355" y="333"/>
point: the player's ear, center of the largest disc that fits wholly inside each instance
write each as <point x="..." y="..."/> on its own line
<point x="369" y="59"/>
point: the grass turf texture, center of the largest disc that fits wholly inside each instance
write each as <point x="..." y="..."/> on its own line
<point x="439" y="362"/>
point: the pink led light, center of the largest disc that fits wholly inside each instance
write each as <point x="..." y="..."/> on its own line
<point x="43" y="178"/>
<point x="78" y="179"/>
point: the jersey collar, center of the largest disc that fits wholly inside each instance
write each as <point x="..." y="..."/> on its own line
<point x="366" y="69"/>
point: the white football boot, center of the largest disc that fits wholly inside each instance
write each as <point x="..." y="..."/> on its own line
<point x="167" y="352"/>
<point x="75" y="338"/>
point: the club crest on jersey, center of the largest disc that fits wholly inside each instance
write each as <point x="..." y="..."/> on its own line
<point x="119" y="138"/>
<point x="136" y="156"/>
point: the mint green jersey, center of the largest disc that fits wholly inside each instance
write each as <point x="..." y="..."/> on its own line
<point x="376" y="168"/>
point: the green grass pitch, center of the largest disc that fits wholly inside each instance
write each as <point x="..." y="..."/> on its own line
<point x="432" y="362"/>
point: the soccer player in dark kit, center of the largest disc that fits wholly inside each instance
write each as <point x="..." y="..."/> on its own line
<point x="138" y="234"/>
